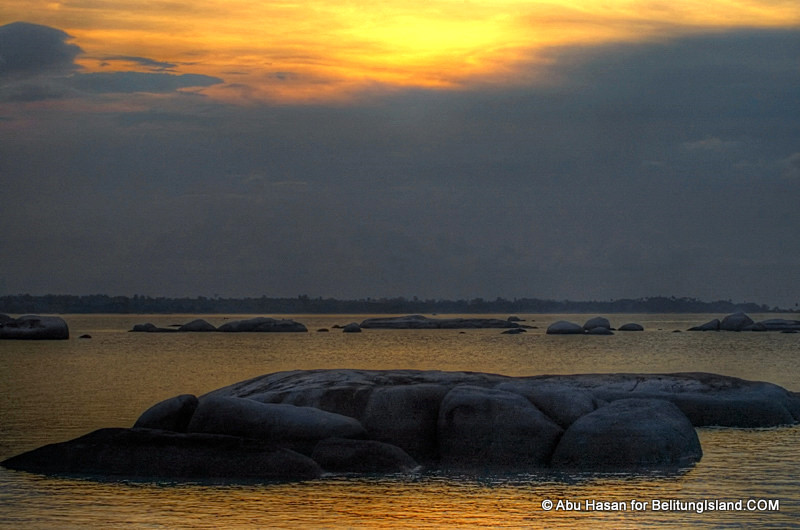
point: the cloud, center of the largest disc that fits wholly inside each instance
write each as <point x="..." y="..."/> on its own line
<point x="127" y="82"/>
<point x="617" y="177"/>
<point x="142" y="61"/>
<point x="792" y="167"/>
<point x="41" y="66"/>
<point x="710" y="144"/>
<point x="29" y="49"/>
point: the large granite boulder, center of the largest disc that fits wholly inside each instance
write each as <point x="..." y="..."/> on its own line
<point x="352" y="327"/>
<point x="709" y="399"/>
<point x="780" y="324"/>
<point x="34" y="327"/>
<point x="149" y="327"/>
<point x="562" y="327"/>
<point x="344" y="391"/>
<point x="711" y="325"/>
<point x="173" y="414"/>
<point x="279" y="423"/>
<point x="481" y="428"/>
<point x="629" y="434"/>
<point x="423" y="322"/>
<point x="136" y="453"/>
<point x="597" y="322"/>
<point x="561" y="403"/>
<point x="262" y="324"/>
<point x="735" y="322"/>
<point x="361" y="456"/>
<point x="348" y="398"/>
<point x="406" y="416"/>
<point x="198" y="325"/>
<point x="706" y="399"/>
<point x="742" y="322"/>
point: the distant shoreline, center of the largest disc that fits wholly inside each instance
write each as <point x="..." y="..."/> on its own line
<point x="303" y="304"/>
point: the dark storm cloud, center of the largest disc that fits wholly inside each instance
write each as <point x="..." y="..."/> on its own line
<point x="27" y="49"/>
<point x="663" y="168"/>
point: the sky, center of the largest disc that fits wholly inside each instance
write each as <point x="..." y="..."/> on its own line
<point x="438" y="148"/>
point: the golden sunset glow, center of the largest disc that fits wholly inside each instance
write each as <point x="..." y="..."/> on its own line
<point x="324" y="49"/>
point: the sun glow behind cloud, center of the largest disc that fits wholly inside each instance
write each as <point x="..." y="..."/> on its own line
<point x="313" y="50"/>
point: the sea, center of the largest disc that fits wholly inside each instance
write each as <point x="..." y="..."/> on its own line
<point x="51" y="391"/>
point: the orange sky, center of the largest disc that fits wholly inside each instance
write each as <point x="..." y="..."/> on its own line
<point x="324" y="49"/>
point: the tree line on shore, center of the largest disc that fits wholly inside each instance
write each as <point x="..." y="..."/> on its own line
<point x="303" y="304"/>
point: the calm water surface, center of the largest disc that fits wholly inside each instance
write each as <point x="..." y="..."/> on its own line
<point x="53" y="391"/>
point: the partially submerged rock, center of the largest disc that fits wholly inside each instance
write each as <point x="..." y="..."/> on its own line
<point x="262" y="324"/>
<point x="630" y="434"/>
<point x="149" y="327"/>
<point x="423" y="322"/>
<point x="562" y="327"/>
<point x="742" y="322"/>
<point x="34" y="327"/>
<point x="406" y="416"/>
<point x="362" y="456"/>
<point x="711" y="325"/>
<point x="780" y="324"/>
<point x="735" y="322"/>
<point x="632" y="326"/>
<point x="146" y="453"/>
<point x="270" y="421"/>
<point x="197" y="325"/>
<point x="486" y="428"/>
<point x="706" y="399"/>
<point x="173" y="414"/>
<point x="597" y="322"/>
<point x="347" y="391"/>
<point x="258" y="325"/>
<point x="358" y="421"/>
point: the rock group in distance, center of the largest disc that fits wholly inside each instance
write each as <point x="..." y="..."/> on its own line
<point x="732" y="322"/>
<point x="301" y="424"/>
<point x="256" y="325"/>
<point x="593" y="326"/>
<point x="742" y="322"/>
<point x="423" y="322"/>
<point x="264" y="324"/>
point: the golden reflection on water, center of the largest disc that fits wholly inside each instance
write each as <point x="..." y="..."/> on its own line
<point x="738" y="465"/>
<point x="52" y="391"/>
